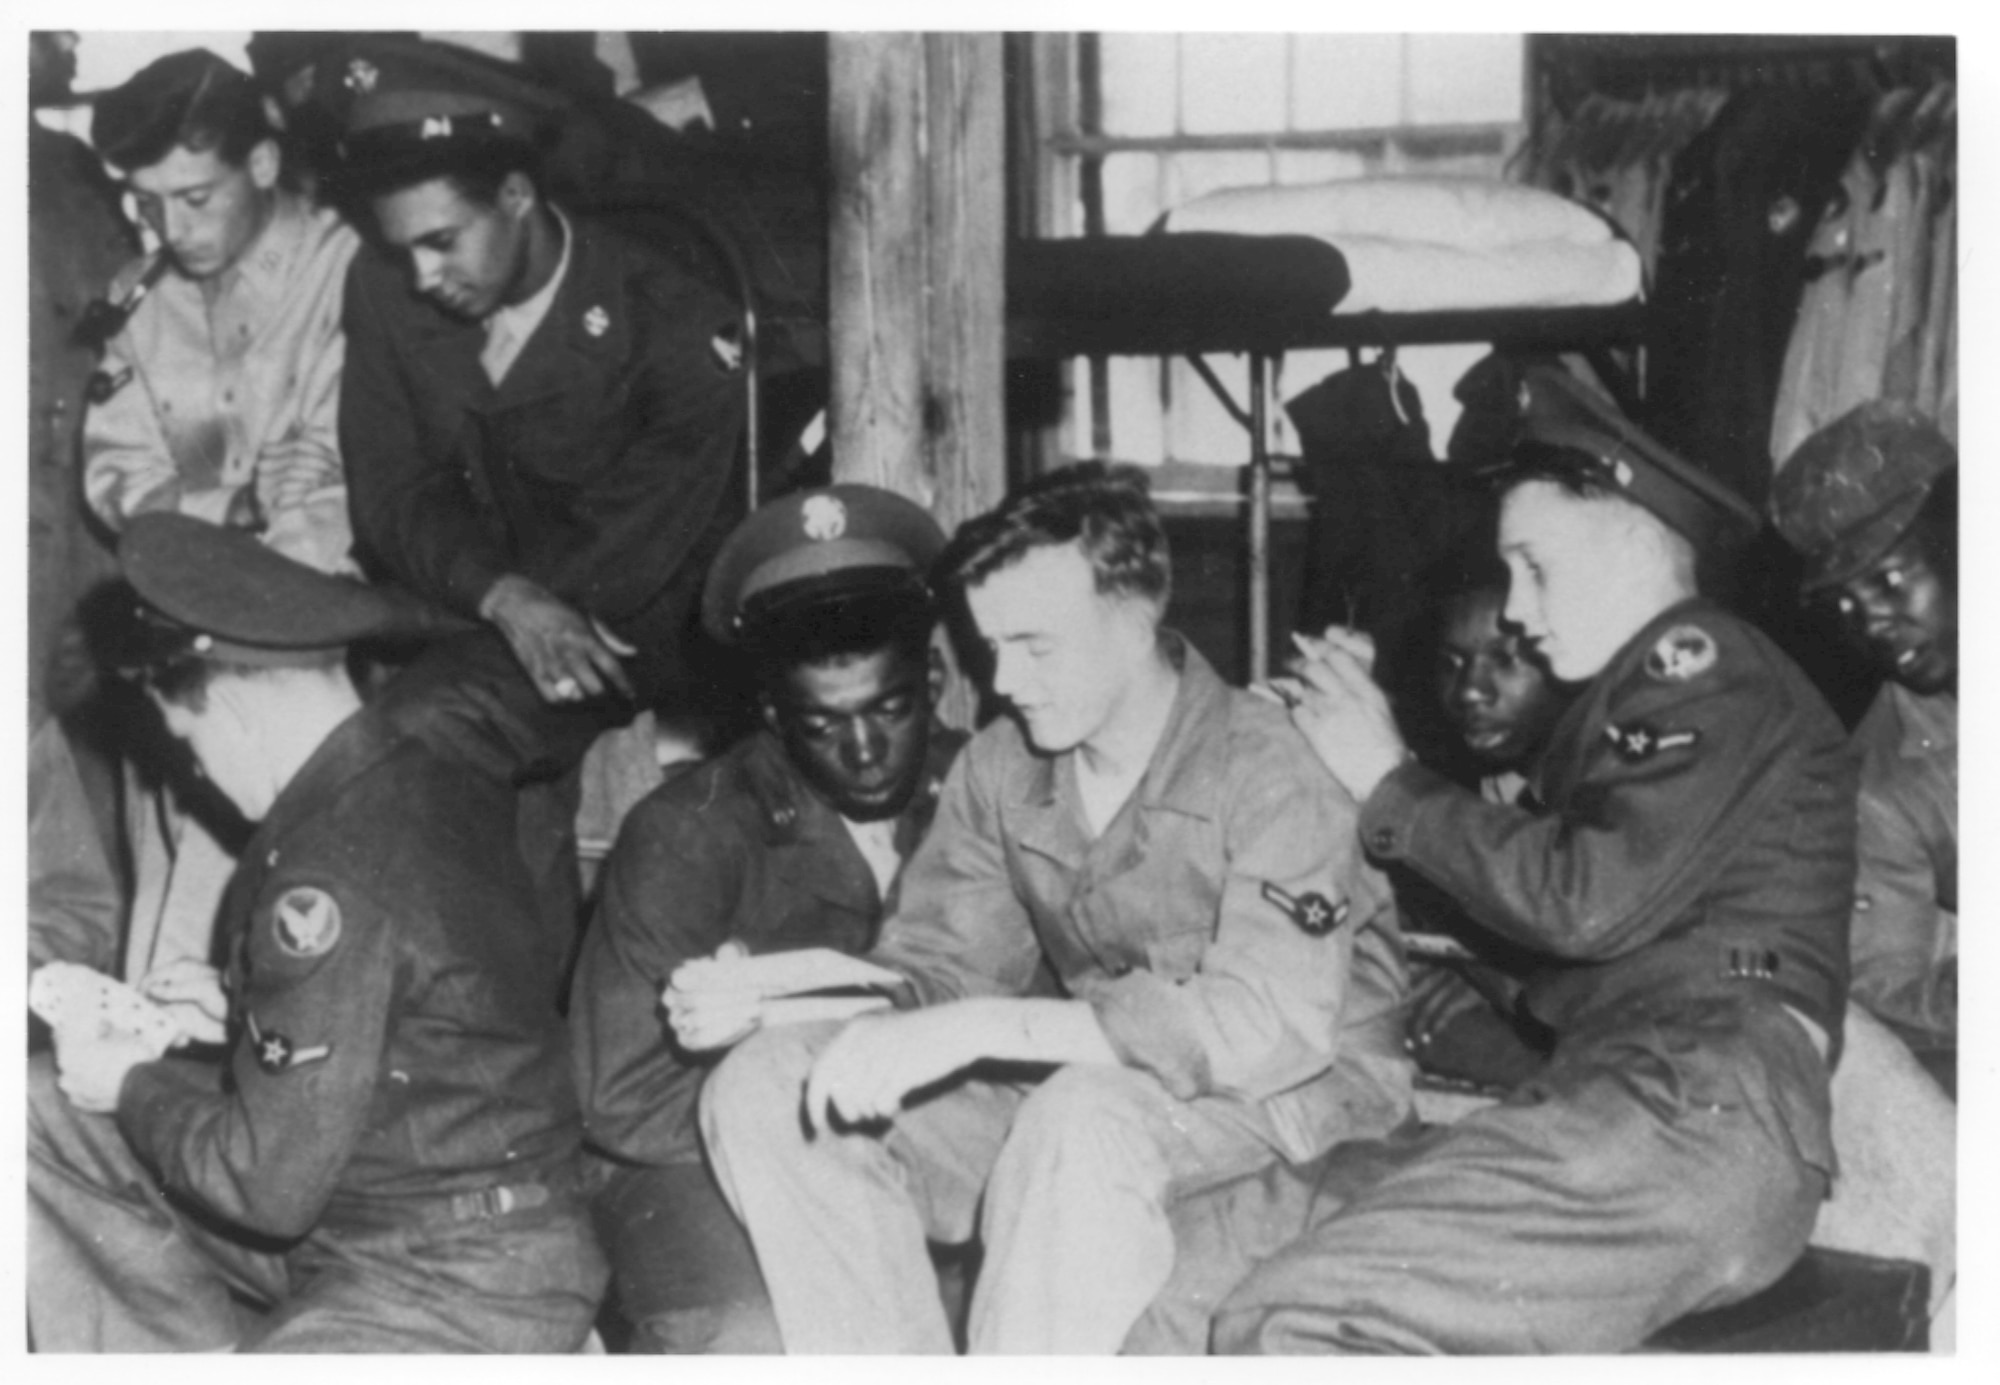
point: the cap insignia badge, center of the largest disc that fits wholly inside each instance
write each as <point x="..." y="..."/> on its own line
<point x="825" y="518"/>
<point x="361" y="76"/>
<point x="435" y="127"/>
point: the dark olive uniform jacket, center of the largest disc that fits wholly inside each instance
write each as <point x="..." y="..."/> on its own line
<point x="394" y="1043"/>
<point x="602" y="467"/>
<point x="741" y="849"/>
<point x="1696" y="840"/>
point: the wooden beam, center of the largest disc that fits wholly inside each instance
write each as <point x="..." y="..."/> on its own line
<point x="916" y="267"/>
<point x="916" y="274"/>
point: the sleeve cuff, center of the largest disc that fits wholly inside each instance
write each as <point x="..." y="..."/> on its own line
<point x="1142" y="1019"/>
<point x="905" y="995"/>
<point x="467" y="583"/>
<point x="147" y="1087"/>
<point x="210" y="506"/>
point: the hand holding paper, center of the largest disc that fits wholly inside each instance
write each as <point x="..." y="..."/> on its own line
<point x="712" y="1002"/>
<point x="102" y="1028"/>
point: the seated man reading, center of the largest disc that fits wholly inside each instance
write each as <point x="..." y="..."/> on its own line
<point x="1161" y="847"/>
<point x="794" y="838"/>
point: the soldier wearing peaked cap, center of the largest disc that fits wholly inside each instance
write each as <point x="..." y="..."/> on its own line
<point x="1563" y="414"/>
<point x="839" y="543"/>
<point x="1137" y="957"/>
<point x="793" y="838"/>
<point x="541" y="421"/>
<point x="1871" y="503"/>
<point x="374" y="1139"/>
<point x="1684" y="872"/>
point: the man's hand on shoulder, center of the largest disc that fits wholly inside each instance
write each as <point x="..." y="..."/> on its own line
<point x="557" y="645"/>
<point x="1344" y="715"/>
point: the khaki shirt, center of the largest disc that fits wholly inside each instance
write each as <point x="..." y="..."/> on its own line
<point x="211" y="379"/>
<point x="1223" y="927"/>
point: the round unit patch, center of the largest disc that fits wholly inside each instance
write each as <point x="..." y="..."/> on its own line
<point x="1684" y="652"/>
<point x="307" y="922"/>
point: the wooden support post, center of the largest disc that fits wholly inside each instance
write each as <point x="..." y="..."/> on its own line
<point x="916" y="269"/>
<point x="917" y="262"/>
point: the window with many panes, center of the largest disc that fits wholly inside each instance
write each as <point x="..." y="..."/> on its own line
<point x="1140" y="123"/>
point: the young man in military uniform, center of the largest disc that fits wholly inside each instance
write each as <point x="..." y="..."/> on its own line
<point x="220" y="392"/>
<point x="792" y="839"/>
<point x="1685" y="874"/>
<point x="1871" y="503"/>
<point x="1498" y="704"/>
<point x="541" y="421"/>
<point x="218" y="395"/>
<point x="383" y="1155"/>
<point x="1165" y="852"/>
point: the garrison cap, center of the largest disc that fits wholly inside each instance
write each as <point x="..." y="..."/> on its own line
<point x="1561" y="410"/>
<point x="1851" y="490"/>
<point x="838" y="541"/>
<point x="214" y="591"/>
<point x="407" y="101"/>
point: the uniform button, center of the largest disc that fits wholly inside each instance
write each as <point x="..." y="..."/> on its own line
<point x="1381" y="839"/>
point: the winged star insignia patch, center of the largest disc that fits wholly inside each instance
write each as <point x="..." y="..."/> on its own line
<point x="1684" y="652"/>
<point x="1312" y="912"/>
<point x="1639" y="742"/>
<point x="275" y="1053"/>
<point x="307" y="922"/>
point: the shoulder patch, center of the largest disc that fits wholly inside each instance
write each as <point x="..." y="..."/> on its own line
<point x="1684" y="652"/>
<point x="276" y="1053"/>
<point x="1315" y="915"/>
<point x="306" y="922"/>
<point x="1637" y="741"/>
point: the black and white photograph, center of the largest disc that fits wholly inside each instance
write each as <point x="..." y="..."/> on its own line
<point x="874" y="689"/>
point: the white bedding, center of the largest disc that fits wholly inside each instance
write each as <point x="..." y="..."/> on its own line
<point x="1424" y="244"/>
